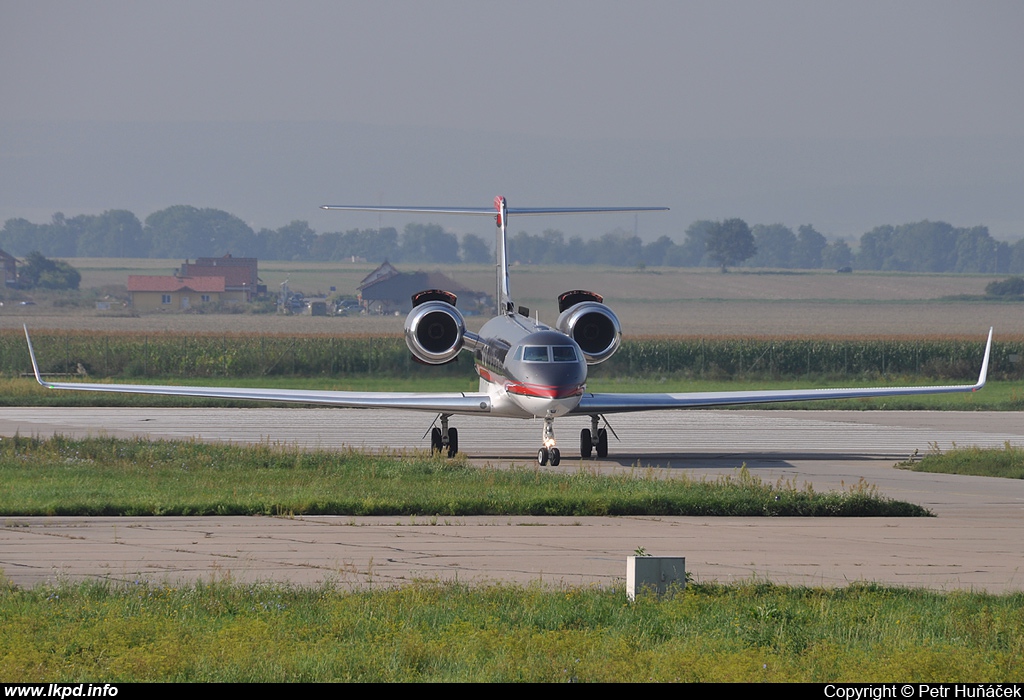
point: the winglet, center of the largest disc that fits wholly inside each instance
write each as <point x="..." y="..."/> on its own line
<point x="983" y="375"/>
<point x="32" y="354"/>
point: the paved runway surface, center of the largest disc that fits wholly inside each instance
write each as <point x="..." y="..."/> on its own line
<point x="975" y="542"/>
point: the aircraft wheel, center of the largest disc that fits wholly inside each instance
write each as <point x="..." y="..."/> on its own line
<point x="453" y="441"/>
<point x="556" y="456"/>
<point x="435" y="440"/>
<point x="542" y="456"/>
<point x="586" y="445"/>
<point x="602" y="443"/>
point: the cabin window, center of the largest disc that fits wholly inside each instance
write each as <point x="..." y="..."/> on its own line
<point x="165" y="298"/>
<point x="564" y="353"/>
<point x="205" y="298"/>
<point x="536" y="353"/>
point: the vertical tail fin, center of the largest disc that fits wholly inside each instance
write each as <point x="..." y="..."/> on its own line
<point x="503" y="297"/>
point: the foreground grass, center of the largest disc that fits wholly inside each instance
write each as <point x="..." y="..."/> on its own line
<point x="108" y="476"/>
<point x="996" y="396"/>
<point x="452" y="632"/>
<point x="1007" y="462"/>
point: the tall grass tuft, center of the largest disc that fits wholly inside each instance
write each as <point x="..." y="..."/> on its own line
<point x="1006" y="462"/>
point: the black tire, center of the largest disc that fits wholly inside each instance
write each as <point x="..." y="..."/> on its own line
<point x="542" y="456"/>
<point x="602" y="443"/>
<point x="435" y="440"/>
<point x="453" y="441"/>
<point x="556" y="456"/>
<point x="586" y="444"/>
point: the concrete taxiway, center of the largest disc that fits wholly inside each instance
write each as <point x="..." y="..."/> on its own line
<point x="973" y="543"/>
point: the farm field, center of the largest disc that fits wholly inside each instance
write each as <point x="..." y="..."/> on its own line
<point x="617" y="284"/>
<point x="745" y="318"/>
<point x="664" y="301"/>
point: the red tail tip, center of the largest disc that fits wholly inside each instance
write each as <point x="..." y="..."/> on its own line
<point x="499" y="202"/>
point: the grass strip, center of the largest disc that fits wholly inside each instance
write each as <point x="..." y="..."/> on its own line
<point x="431" y="631"/>
<point x="110" y="476"/>
<point x="1006" y="462"/>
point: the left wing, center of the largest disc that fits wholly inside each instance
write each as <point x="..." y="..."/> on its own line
<point x="626" y="403"/>
<point x="454" y="402"/>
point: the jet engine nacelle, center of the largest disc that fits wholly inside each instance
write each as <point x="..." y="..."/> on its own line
<point x="435" y="331"/>
<point x="593" y="326"/>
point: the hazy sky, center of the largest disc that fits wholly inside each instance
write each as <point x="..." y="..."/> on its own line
<point x="584" y="73"/>
<point x="589" y="69"/>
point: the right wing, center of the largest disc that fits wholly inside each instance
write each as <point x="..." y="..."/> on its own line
<point x="595" y="404"/>
<point x="453" y="402"/>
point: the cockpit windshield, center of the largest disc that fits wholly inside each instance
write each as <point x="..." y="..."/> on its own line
<point x="547" y="353"/>
<point x="564" y="353"/>
<point x="536" y="353"/>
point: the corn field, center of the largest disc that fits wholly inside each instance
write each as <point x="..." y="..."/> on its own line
<point x="112" y="354"/>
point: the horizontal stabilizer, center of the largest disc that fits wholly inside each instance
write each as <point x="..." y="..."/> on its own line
<point x="489" y="211"/>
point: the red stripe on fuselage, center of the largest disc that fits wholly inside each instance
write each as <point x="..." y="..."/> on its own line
<point x="541" y="391"/>
<point x="544" y="392"/>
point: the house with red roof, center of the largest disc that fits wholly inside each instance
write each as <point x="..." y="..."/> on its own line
<point x="170" y="293"/>
<point x="241" y="275"/>
<point x="10" y="265"/>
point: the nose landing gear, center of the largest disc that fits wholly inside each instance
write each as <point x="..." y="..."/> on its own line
<point x="549" y="454"/>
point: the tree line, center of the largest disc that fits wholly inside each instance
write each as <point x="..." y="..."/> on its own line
<point x="183" y="231"/>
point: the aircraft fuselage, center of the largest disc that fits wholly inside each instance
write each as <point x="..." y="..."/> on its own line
<point x="529" y="369"/>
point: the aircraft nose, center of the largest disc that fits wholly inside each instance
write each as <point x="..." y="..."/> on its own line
<point x="545" y="405"/>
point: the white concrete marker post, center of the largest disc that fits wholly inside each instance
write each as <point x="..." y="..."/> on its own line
<point x="654" y="574"/>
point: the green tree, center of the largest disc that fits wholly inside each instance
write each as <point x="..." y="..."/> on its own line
<point x="39" y="271"/>
<point x="1009" y="287"/>
<point x="730" y="242"/>
<point x="775" y="245"/>
<point x="183" y="231"/>
<point x="660" y="252"/>
<point x="875" y="248"/>
<point x="694" y="250"/>
<point x="19" y="236"/>
<point x="618" y="247"/>
<point x="113" y="234"/>
<point x="837" y="255"/>
<point x="475" y="249"/>
<point x="291" y="242"/>
<point x="429" y="243"/>
<point x="1016" y="257"/>
<point x="808" y="249"/>
<point x="373" y="245"/>
<point x="977" y="251"/>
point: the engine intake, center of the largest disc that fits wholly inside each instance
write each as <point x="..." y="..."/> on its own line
<point x="435" y="332"/>
<point x="593" y="326"/>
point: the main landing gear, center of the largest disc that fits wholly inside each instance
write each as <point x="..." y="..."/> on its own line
<point x="549" y="454"/>
<point x="444" y="439"/>
<point x="592" y="439"/>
